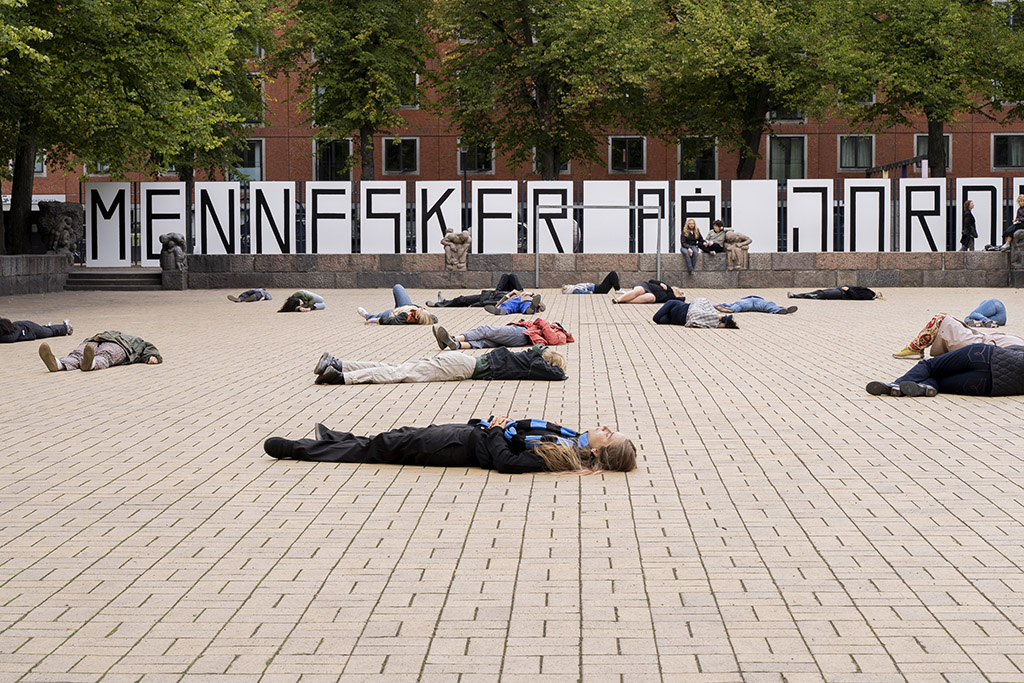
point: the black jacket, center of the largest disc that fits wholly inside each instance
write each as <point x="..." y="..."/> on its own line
<point x="661" y="291"/>
<point x="1007" y="366"/>
<point x="522" y="365"/>
<point x="970" y="228"/>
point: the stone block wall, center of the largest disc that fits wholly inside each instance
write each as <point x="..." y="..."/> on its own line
<point x="33" y="274"/>
<point x="789" y="271"/>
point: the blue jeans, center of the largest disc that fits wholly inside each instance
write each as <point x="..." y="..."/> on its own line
<point x="402" y="298"/>
<point x="754" y="303"/>
<point x="989" y="309"/>
<point x="966" y="371"/>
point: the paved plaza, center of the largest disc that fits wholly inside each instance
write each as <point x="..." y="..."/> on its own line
<point x="783" y="525"/>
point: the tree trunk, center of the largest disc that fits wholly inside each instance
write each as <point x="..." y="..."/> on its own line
<point x="753" y="131"/>
<point x="936" y="148"/>
<point x="366" y="167"/>
<point x="549" y="163"/>
<point x="21" y="192"/>
<point x="3" y="233"/>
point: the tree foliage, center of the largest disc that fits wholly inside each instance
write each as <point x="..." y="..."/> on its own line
<point x="551" y="77"/>
<point x="356" y="63"/>
<point x="16" y="36"/>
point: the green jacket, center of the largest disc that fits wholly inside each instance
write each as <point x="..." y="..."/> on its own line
<point x="138" y="349"/>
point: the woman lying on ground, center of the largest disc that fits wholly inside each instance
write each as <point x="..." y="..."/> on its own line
<point x="521" y="333"/>
<point x="650" y="292"/>
<point x="755" y="303"/>
<point x="610" y="282"/>
<point x="101" y="351"/>
<point x="699" y="313"/>
<point x="844" y="292"/>
<point x="303" y="301"/>
<point x="989" y="313"/>
<point x="405" y="312"/>
<point x="258" y="294"/>
<point x="26" y="330"/>
<point x="494" y="444"/>
<point x="538" y="363"/>
<point x="507" y="283"/>
<point x="944" y="333"/>
<point x="975" y="370"/>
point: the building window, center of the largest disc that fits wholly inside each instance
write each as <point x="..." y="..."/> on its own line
<point x="40" y="167"/>
<point x="250" y="161"/>
<point x="856" y="152"/>
<point x="97" y="168"/>
<point x="921" y="147"/>
<point x="787" y="114"/>
<point x="332" y="160"/>
<point x="627" y="154"/>
<point x="1007" y="151"/>
<point x="564" y="168"/>
<point x="697" y="158"/>
<point x="401" y="156"/>
<point x="409" y="92"/>
<point x="476" y="157"/>
<point x="786" y="157"/>
<point x="255" y="118"/>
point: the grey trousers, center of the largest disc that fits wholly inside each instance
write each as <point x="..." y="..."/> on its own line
<point x="444" y="367"/>
<point x="490" y="336"/>
<point x="108" y="354"/>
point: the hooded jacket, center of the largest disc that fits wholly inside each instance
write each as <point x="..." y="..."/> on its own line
<point x="540" y="331"/>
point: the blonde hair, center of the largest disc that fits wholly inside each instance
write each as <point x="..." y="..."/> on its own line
<point x="1020" y="200"/>
<point x="552" y="357"/>
<point x="615" y="457"/>
<point x="424" y="318"/>
<point x="686" y="227"/>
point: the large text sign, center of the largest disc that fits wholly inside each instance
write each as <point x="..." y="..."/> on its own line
<point x="438" y="209"/>
<point x="382" y="217"/>
<point x="495" y="209"/>
<point x="809" y="217"/>
<point x="653" y="196"/>
<point x="163" y="211"/>
<point x="272" y="216"/>
<point x="868" y="219"/>
<point x="923" y="214"/>
<point x="606" y="230"/>
<point x="218" y="222"/>
<point x="108" y="224"/>
<point x="550" y="202"/>
<point x="329" y="217"/>
<point x="755" y="212"/>
<point x="987" y="195"/>
<point x="700" y="200"/>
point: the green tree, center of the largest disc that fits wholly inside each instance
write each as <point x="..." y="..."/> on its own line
<point x="724" y="66"/>
<point x="129" y="82"/>
<point x="937" y="58"/>
<point x="544" y="78"/>
<point x="356" y="62"/>
<point x="15" y="36"/>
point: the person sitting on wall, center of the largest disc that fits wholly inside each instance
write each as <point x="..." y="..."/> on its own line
<point x="536" y="363"/>
<point x="714" y="242"/>
<point x="1015" y="225"/>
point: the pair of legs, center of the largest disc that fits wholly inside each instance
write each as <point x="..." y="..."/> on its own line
<point x="944" y="333"/>
<point x="1008" y="232"/>
<point x="87" y="356"/>
<point x="402" y="298"/>
<point x="989" y="310"/>
<point x="830" y="293"/>
<point x="966" y="371"/>
<point x="27" y="330"/>
<point x="638" y="295"/>
<point x="967" y="243"/>
<point x="757" y="304"/>
<point x="443" y="367"/>
<point x="252" y="295"/>
<point x="712" y="248"/>
<point x="483" y="337"/>
<point x="436" y="445"/>
<point x="690" y="256"/>
<point x="610" y="282"/>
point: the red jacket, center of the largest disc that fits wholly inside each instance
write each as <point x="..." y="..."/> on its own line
<point x="540" y="331"/>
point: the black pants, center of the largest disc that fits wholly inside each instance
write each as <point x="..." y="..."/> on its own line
<point x="966" y="371"/>
<point x="26" y="330"/>
<point x="610" y="282"/>
<point x="488" y="296"/>
<point x="712" y="249"/>
<point x="436" y="445"/>
<point x="830" y="293"/>
<point x="508" y="282"/>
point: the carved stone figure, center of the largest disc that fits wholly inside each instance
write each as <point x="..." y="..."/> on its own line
<point x="172" y="255"/>
<point x="736" y="246"/>
<point x="1017" y="250"/>
<point x="62" y="225"/>
<point x="456" y="246"/>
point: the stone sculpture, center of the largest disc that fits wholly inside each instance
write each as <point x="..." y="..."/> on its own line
<point x="172" y="255"/>
<point x="736" y="246"/>
<point x="456" y="247"/>
<point x="62" y="225"/>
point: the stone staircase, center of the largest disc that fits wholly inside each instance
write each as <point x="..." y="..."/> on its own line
<point x="121" y="280"/>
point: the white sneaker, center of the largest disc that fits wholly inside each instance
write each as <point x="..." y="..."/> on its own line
<point x="362" y="311"/>
<point x="1005" y="247"/>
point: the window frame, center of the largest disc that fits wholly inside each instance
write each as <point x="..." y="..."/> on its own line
<point x="565" y="170"/>
<point x="384" y="155"/>
<point x="839" y="152"/>
<point x="643" y="154"/>
<point x="316" y="158"/>
<point x="102" y="169"/>
<point x="768" y="157"/>
<point x="992" y="152"/>
<point x="39" y="170"/>
<point x="416" y="92"/>
<point x="262" y="158"/>
<point x="458" y="159"/>
<point x="679" y="156"/>
<point x="949" y="151"/>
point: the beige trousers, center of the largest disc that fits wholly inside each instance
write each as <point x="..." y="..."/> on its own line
<point x="444" y="367"/>
<point x="953" y="334"/>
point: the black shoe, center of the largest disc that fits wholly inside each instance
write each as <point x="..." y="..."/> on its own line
<point x="279" y="448"/>
<point x="445" y="340"/>
<point x="915" y="389"/>
<point x="326" y="361"/>
<point x="882" y="389"/>
<point x="330" y="376"/>
<point x="321" y="432"/>
<point x="431" y="304"/>
<point x="787" y="310"/>
<point x="494" y="310"/>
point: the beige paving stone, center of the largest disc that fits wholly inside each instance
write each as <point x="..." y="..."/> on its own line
<point x="783" y="525"/>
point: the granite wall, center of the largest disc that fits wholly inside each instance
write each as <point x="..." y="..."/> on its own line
<point x="33" y="274"/>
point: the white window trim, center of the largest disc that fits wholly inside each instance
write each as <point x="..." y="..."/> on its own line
<point x="384" y="152"/>
<point x="949" y="152"/>
<point x="315" y="144"/>
<point x="568" y="165"/>
<point x="771" y="117"/>
<point x="679" y="154"/>
<point x="263" y="161"/>
<point x="839" y="153"/>
<point x="458" y="161"/>
<point x="768" y="155"/>
<point x="39" y="174"/>
<point x="95" y="172"/>
<point x="412" y="107"/>
<point x="627" y="137"/>
<point x="263" y="123"/>
<point x="992" y="152"/>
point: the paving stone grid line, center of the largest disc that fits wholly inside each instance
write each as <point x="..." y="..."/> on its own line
<point x="783" y="525"/>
